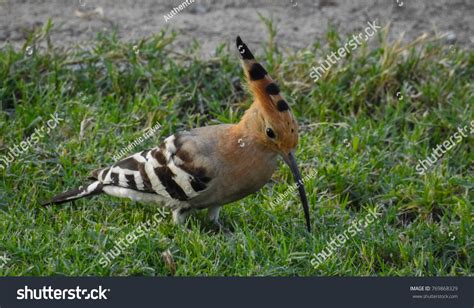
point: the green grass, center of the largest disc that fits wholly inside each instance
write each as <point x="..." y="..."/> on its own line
<point x="362" y="140"/>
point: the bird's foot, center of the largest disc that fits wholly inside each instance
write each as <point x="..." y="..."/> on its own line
<point x="218" y="227"/>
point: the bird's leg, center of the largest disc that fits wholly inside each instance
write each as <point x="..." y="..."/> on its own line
<point x="213" y="214"/>
<point x="180" y="215"/>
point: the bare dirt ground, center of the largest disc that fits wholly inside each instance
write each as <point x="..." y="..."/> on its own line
<point x="299" y="22"/>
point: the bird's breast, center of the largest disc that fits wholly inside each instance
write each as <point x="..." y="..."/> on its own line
<point x="242" y="168"/>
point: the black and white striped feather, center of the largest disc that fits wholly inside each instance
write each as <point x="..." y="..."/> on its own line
<point x="164" y="173"/>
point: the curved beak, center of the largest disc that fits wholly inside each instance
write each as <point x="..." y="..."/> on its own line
<point x="291" y="162"/>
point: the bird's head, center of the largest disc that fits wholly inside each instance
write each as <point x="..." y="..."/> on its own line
<point x="273" y="123"/>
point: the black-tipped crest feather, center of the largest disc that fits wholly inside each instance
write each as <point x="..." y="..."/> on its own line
<point x="244" y="51"/>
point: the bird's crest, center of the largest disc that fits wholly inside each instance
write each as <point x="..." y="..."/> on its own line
<point x="265" y="90"/>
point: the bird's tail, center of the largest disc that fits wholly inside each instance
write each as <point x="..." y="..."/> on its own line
<point x="81" y="192"/>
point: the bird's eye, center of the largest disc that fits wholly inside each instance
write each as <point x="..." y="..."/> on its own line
<point x="270" y="133"/>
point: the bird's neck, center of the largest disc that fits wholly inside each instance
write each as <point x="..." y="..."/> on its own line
<point x="256" y="161"/>
<point x="250" y="126"/>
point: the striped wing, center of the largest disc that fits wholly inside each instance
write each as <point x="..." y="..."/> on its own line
<point x="168" y="170"/>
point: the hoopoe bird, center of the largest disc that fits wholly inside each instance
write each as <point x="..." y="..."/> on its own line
<point x="208" y="167"/>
